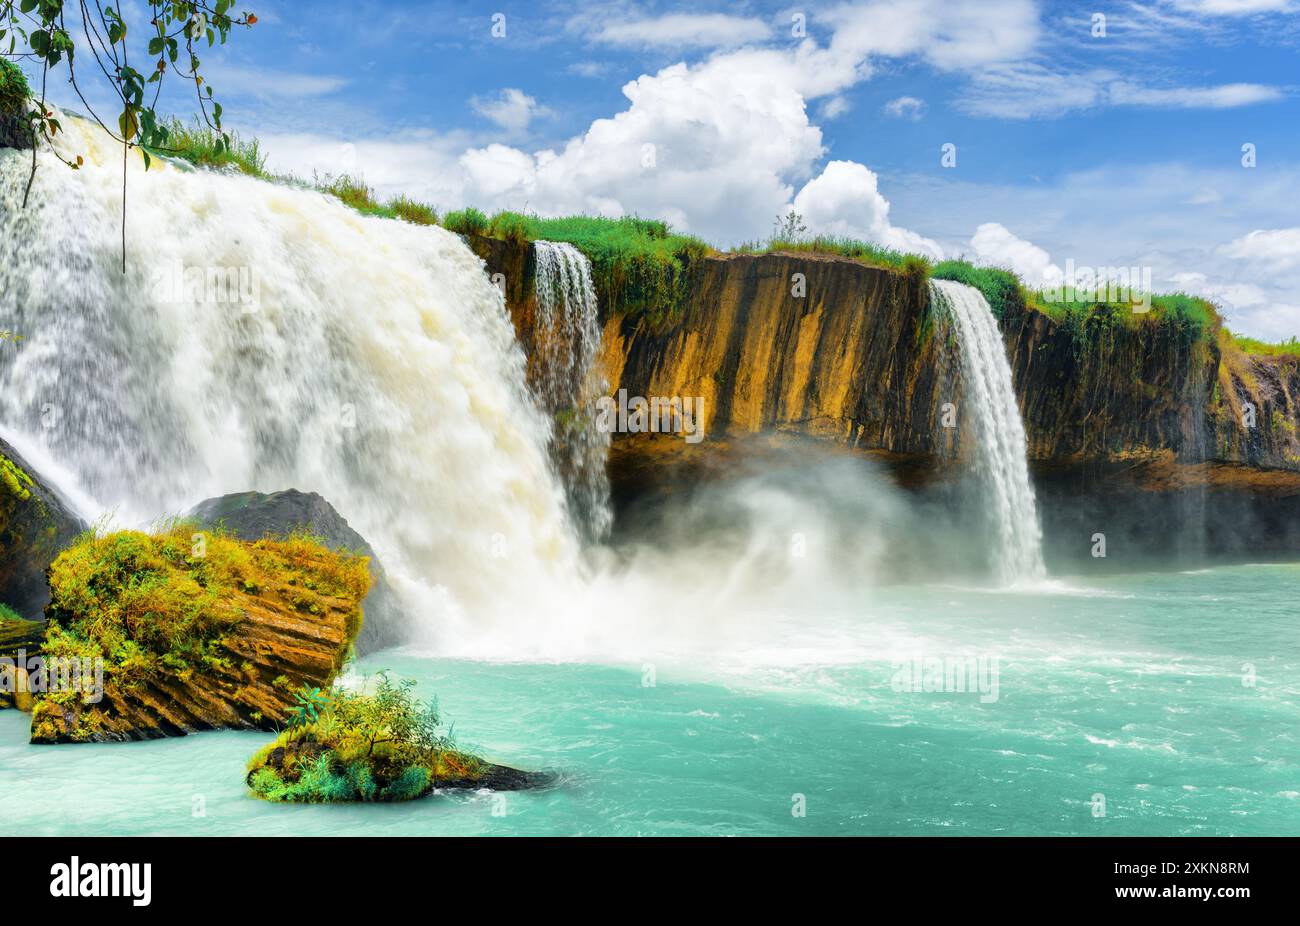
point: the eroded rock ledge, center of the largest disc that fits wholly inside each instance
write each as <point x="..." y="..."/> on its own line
<point x="1152" y="428"/>
<point x="205" y="634"/>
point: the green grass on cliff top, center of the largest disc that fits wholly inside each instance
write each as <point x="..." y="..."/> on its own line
<point x="863" y="251"/>
<point x="1287" y="348"/>
<point x="641" y="266"/>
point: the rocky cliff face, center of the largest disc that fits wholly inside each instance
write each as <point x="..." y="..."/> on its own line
<point x="1107" y="391"/>
<point x="35" y="524"/>
<point x="798" y="343"/>
<point x="1114" y="412"/>
<point x="252" y="516"/>
<point x="830" y="348"/>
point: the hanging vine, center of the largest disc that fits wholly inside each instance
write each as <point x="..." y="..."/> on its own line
<point x="53" y="33"/>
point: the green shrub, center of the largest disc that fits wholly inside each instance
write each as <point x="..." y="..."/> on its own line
<point x="379" y="745"/>
<point x="417" y="213"/>
<point x="8" y="614"/>
<point x="1001" y="288"/>
<point x="509" y="226"/>
<point x="468" y="221"/>
<point x="1288" y="348"/>
<point x="14" y="90"/>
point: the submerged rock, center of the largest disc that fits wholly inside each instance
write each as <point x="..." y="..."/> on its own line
<point x="190" y="633"/>
<point x="254" y="515"/>
<point x="35" y="524"/>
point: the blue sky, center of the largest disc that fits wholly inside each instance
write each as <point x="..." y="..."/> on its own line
<point x="1122" y="149"/>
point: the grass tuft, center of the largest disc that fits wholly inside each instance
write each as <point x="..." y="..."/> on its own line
<point x="1287" y="348"/>
<point x="417" y="213"/>
<point x="198" y="144"/>
<point x="1000" y="288"/>
<point x="872" y="254"/>
<point x="468" y="221"/>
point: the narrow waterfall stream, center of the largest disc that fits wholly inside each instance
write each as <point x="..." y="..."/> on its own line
<point x="1000" y="445"/>
<point x="567" y="342"/>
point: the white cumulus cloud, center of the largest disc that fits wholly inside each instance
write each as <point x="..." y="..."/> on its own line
<point x="844" y="200"/>
<point x="1277" y="248"/>
<point x="995" y="246"/>
<point x="682" y="30"/>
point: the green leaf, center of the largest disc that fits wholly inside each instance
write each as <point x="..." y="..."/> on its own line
<point x="156" y="45"/>
<point x="128" y="123"/>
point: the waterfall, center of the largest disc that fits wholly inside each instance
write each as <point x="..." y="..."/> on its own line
<point x="266" y="337"/>
<point x="566" y="341"/>
<point x="1001" y="447"/>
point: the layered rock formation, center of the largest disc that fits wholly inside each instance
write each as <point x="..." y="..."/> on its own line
<point x="1114" y="411"/>
<point x="254" y="515"/>
<point x="193" y="632"/>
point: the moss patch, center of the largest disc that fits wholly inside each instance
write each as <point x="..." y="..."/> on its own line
<point x="14" y="482"/>
<point x="193" y="627"/>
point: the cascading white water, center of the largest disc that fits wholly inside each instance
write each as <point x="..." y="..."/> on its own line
<point x="1000" y="445"/>
<point x="567" y="341"/>
<point x="266" y="337"/>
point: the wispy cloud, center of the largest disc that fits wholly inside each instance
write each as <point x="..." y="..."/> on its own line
<point x="1234" y="7"/>
<point x="1026" y="91"/>
<point x="511" y="109"/>
<point x="906" y="107"/>
<point x="1223" y="96"/>
<point x="269" y="84"/>
<point x="682" y="30"/>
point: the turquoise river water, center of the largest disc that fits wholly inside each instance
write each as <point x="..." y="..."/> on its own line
<point x="1168" y="701"/>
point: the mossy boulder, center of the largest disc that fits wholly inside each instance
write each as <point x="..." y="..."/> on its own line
<point x="35" y="524"/>
<point x="196" y="630"/>
<point x="254" y="516"/>
<point x="15" y="130"/>
<point x="373" y="744"/>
